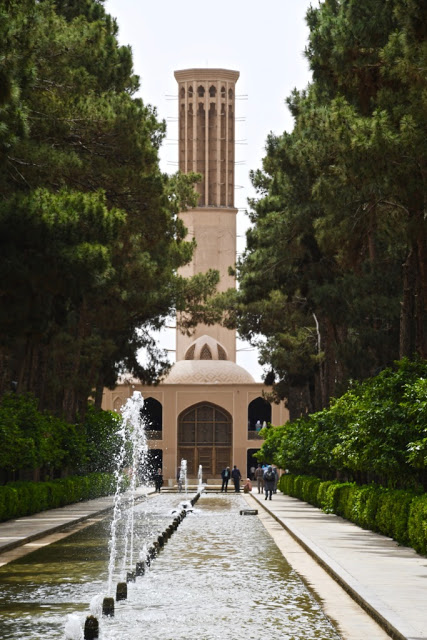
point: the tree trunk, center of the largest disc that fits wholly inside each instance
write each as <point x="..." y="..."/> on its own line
<point x="421" y="291"/>
<point x="299" y="401"/>
<point x="99" y="392"/>
<point x="407" y="309"/>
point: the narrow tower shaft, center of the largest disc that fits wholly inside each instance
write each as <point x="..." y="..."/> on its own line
<point x="206" y="131"/>
<point x="206" y="100"/>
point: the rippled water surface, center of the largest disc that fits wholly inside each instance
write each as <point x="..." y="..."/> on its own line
<point x="220" y="575"/>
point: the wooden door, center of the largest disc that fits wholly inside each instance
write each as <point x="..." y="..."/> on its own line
<point x="205" y="438"/>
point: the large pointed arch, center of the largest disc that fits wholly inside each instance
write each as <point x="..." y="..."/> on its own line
<point x="205" y="437"/>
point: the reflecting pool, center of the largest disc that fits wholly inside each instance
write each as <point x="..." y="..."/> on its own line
<point x="220" y="575"/>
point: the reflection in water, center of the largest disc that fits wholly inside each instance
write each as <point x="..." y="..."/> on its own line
<point x="220" y="574"/>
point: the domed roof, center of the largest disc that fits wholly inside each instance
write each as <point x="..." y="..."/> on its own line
<point x="208" y="372"/>
<point x="206" y="362"/>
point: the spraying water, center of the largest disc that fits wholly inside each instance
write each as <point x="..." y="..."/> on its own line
<point x="132" y="416"/>
<point x="73" y="627"/>
<point x="200" y="486"/>
<point x="133" y="449"/>
<point x="183" y="475"/>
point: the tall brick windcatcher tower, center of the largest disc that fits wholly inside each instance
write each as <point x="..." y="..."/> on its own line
<point x="206" y="99"/>
<point x="206" y="408"/>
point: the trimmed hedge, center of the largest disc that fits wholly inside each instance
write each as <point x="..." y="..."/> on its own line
<point x="24" y="498"/>
<point x="401" y="515"/>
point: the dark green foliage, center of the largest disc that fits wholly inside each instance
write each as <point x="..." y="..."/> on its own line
<point x="401" y="515"/>
<point x="417" y="527"/>
<point x="393" y="513"/>
<point x="334" y="275"/>
<point x="102" y="439"/>
<point x="375" y="431"/>
<point x="336" y="498"/>
<point x="90" y="241"/>
<point x="310" y="489"/>
<point x="24" y="498"/>
<point x="31" y="440"/>
<point x="37" y="442"/>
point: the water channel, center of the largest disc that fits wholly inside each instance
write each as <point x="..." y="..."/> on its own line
<point x="220" y="575"/>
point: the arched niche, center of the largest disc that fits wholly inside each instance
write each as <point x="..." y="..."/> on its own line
<point x="152" y="414"/>
<point x="117" y="403"/>
<point x="258" y="409"/>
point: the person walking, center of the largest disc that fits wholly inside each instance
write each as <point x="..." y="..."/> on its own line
<point x="236" y="475"/>
<point x="225" y="475"/>
<point x="158" y="480"/>
<point x="269" y="482"/>
<point x="259" y="477"/>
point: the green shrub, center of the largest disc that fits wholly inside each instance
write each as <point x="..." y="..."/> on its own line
<point x="346" y="498"/>
<point x="332" y="501"/>
<point x="286" y="484"/>
<point x="322" y="493"/>
<point x="365" y="505"/>
<point x="10" y="501"/>
<point x="393" y="513"/>
<point x="417" y="524"/>
<point x="310" y="490"/>
<point x="19" y="499"/>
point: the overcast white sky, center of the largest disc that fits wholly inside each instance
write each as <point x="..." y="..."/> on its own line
<point x="264" y="40"/>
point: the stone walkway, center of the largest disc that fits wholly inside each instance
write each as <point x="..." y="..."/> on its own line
<point x="387" y="580"/>
<point x="23" y="535"/>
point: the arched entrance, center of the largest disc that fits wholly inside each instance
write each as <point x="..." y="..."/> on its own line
<point x="205" y="437"/>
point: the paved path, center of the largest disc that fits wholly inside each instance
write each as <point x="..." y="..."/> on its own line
<point x="388" y="580"/>
<point x="20" y="536"/>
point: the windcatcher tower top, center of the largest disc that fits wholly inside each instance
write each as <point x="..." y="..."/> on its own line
<point x="206" y="99"/>
<point x="206" y="131"/>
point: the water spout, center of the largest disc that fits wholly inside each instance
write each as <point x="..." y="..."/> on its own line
<point x="200" y="486"/>
<point x="133" y="455"/>
<point x="183" y="475"/>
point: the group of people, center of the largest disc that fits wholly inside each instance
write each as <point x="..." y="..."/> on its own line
<point x="265" y="476"/>
<point x="228" y="474"/>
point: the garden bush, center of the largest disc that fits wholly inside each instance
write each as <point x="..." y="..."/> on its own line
<point x="392" y="514"/>
<point x="417" y="524"/>
<point x="23" y="498"/>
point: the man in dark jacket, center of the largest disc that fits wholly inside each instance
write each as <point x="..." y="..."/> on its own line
<point x="269" y="479"/>
<point x="158" y="480"/>
<point x="225" y="475"/>
<point x="236" y="475"/>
